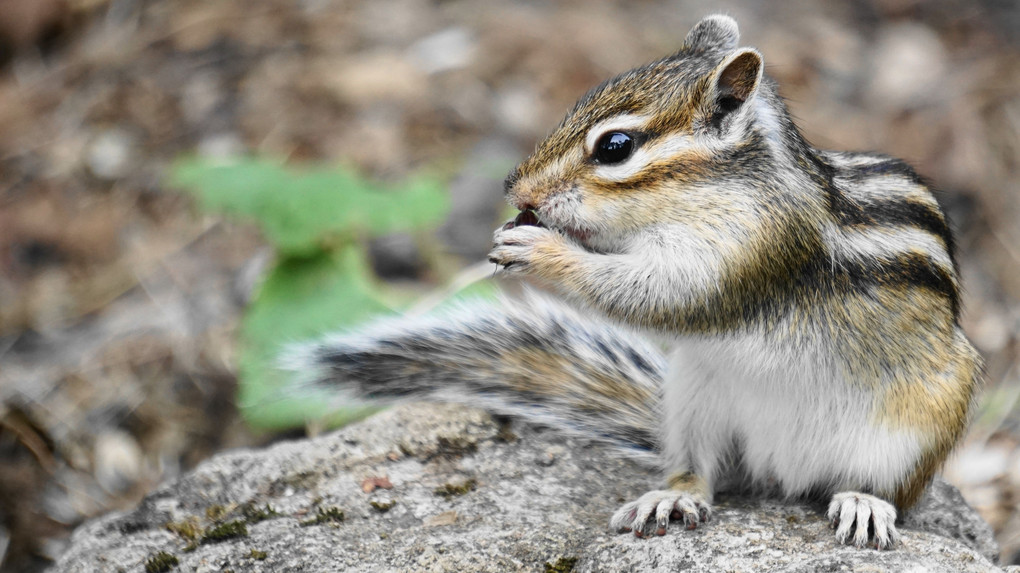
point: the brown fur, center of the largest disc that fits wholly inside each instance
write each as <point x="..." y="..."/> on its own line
<point x="689" y="482"/>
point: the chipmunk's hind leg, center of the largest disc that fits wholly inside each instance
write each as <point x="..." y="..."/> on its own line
<point x="688" y="498"/>
<point x="860" y="518"/>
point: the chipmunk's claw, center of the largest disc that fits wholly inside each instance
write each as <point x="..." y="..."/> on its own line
<point x="864" y="516"/>
<point x="662" y="506"/>
<point x="515" y="247"/>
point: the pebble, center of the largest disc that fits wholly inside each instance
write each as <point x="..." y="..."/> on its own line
<point x="448" y="49"/>
<point x="908" y="62"/>
<point x="110" y="155"/>
<point x="550" y="455"/>
<point x="515" y="107"/>
<point x="221" y="146"/>
<point x="118" y="460"/>
<point x="368" y="78"/>
<point x="202" y="94"/>
<point x="976" y="464"/>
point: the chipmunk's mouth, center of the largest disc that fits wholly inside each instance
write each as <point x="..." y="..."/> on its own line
<point x="526" y="218"/>
<point x="529" y="217"/>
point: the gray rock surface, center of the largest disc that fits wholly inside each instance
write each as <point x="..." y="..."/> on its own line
<point x="471" y="494"/>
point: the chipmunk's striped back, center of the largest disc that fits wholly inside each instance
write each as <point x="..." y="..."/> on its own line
<point x="889" y="226"/>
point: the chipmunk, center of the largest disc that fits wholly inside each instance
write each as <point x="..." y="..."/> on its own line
<point x="809" y="298"/>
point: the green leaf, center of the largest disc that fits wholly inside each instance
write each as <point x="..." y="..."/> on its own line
<point x="306" y="209"/>
<point x="299" y="300"/>
<point x="321" y="282"/>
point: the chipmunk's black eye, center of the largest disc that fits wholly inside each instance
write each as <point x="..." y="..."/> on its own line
<point x="613" y="147"/>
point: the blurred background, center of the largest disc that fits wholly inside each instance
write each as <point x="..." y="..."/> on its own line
<point x="129" y="255"/>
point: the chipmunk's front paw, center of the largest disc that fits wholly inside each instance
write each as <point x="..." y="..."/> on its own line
<point x="662" y="505"/>
<point x="520" y="248"/>
<point x="866" y="516"/>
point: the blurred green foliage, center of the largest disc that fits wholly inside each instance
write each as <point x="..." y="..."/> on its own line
<point x="316" y="218"/>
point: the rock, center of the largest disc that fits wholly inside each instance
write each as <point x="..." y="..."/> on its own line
<point x="470" y="494"/>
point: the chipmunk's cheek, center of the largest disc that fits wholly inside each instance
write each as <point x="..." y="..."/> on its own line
<point x="600" y="212"/>
<point x="562" y="206"/>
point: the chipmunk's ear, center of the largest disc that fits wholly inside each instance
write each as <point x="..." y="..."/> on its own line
<point x="715" y="32"/>
<point x="735" y="80"/>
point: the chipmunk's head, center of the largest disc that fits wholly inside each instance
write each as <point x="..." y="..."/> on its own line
<point x="650" y="145"/>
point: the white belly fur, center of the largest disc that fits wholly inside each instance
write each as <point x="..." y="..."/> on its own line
<point x="792" y="416"/>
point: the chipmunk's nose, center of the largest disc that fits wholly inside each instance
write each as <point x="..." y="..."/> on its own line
<point x="522" y="203"/>
<point x="524" y="190"/>
<point x="519" y="197"/>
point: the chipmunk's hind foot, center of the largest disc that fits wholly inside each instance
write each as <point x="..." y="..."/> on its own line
<point x="863" y="519"/>
<point x="662" y="505"/>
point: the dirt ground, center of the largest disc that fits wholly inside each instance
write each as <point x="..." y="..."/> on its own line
<point x="119" y="301"/>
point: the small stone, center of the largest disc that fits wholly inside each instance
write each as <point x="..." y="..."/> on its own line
<point x="370" y="484"/>
<point x="550" y="456"/>
<point x="977" y="464"/>
<point x="370" y="78"/>
<point x="445" y="518"/>
<point x="221" y="146"/>
<point x="110" y="155"/>
<point x="202" y="94"/>
<point x="908" y="62"/>
<point x="991" y="332"/>
<point x="515" y="109"/>
<point x="118" y="461"/>
<point x="449" y="49"/>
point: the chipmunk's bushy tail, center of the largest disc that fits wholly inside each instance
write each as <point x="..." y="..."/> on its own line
<point x="533" y="359"/>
